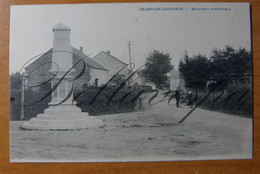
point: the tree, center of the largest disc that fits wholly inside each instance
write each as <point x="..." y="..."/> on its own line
<point x="227" y="65"/>
<point x="15" y="81"/>
<point x="156" y="67"/>
<point x="195" y="71"/>
<point x="231" y="65"/>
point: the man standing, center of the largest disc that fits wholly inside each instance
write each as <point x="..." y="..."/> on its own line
<point x="190" y="98"/>
<point x="177" y="96"/>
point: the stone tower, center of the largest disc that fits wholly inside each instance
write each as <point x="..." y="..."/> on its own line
<point x="62" y="114"/>
<point x="61" y="64"/>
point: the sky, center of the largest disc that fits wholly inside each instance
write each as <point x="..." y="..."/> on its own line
<point x="198" y="28"/>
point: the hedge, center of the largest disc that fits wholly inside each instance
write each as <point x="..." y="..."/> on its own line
<point x="83" y="98"/>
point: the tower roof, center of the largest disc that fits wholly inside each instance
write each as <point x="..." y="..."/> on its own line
<point x="60" y="26"/>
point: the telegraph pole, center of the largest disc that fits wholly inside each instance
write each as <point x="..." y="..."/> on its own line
<point x="24" y="83"/>
<point x="22" y="99"/>
<point x="130" y="60"/>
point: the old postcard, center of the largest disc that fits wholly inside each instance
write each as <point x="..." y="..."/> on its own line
<point x="130" y="82"/>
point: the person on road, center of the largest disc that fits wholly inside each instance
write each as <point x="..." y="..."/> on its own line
<point x="177" y="96"/>
<point x="190" y="102"/>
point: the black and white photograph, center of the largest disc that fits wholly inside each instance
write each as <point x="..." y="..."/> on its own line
<point x="127" y="82"/>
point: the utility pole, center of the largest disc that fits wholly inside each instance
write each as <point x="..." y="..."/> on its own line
<point x="24" y="84"/>
<point x="130" y="58"/>
<point x="130" y="61"/>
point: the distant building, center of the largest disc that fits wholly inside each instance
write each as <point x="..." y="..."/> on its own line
<point x="114" y="65"/>
<point x="99" y="75"/>
<point x="176" y="81"/>
<point x="111" y="63"/>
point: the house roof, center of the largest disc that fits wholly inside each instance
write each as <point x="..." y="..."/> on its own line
<point x="87" y="60"/>
<point x="78" y="54"/>
<point x="108" y="54"/>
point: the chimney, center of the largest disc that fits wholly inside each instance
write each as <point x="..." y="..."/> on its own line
<point x="108" y="52"/>
<point x="81" y="49"/>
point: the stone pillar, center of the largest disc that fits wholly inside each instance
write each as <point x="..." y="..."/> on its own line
<point x="62" y="116"/>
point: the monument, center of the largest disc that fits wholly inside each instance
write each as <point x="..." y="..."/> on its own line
<point x="62" y="114"/>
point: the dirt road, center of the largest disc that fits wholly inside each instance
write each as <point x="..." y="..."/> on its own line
<point x="150" y="135"/>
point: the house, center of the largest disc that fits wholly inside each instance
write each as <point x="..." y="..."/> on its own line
<point x="99" y="75"/>
<point x="94" y="74"/>
<point x="176" y="81"/>
<point x="85" y="70"/>
<point x="114" y="65"/>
